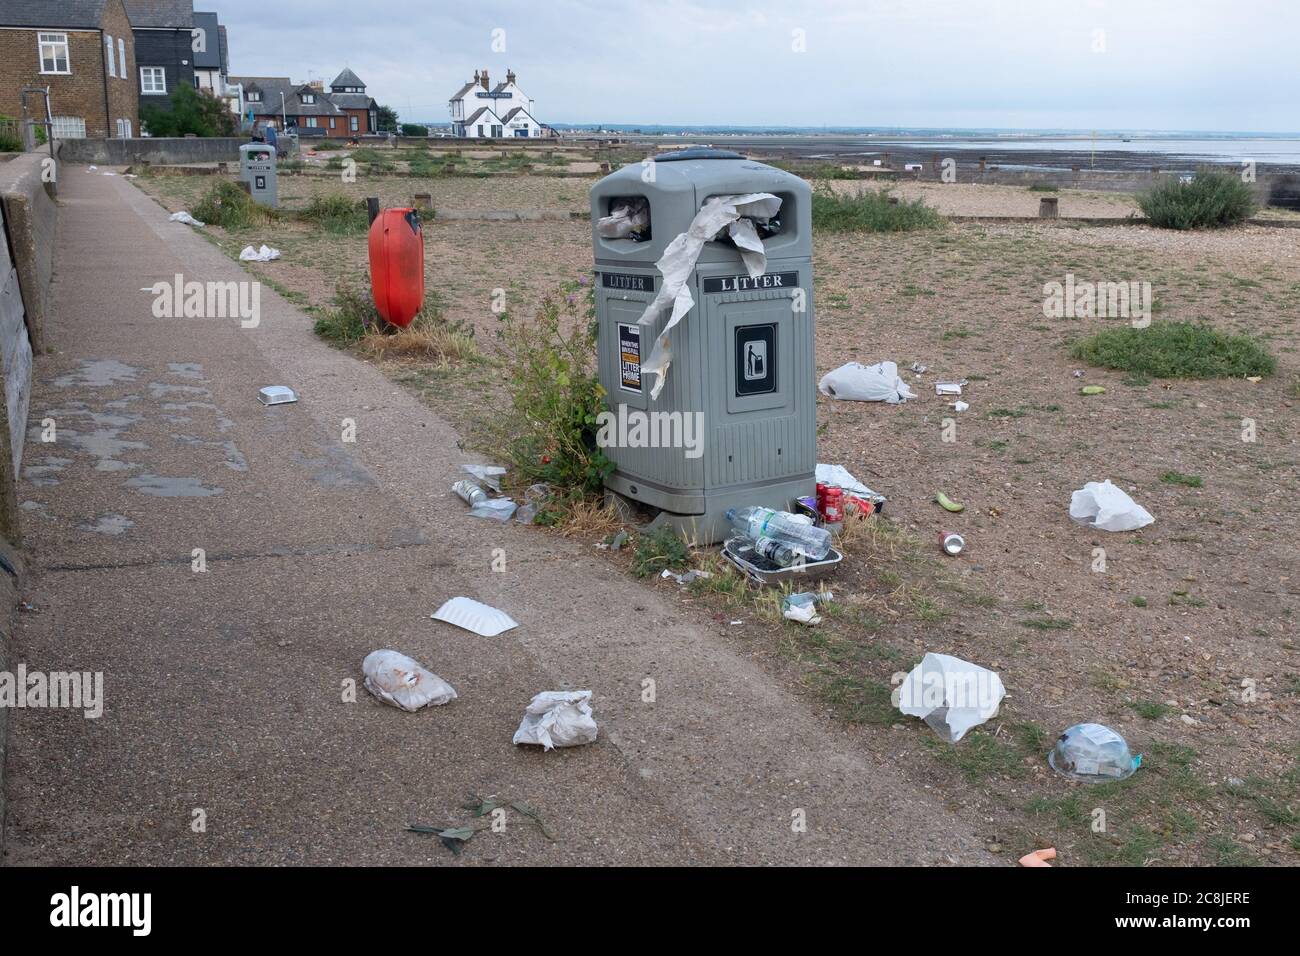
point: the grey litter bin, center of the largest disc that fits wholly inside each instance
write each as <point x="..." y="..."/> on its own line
<point x="743" y="356"/>
<point x="257" y="169"/>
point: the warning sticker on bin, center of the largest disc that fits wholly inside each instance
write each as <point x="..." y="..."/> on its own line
<point x="629" y="356"/>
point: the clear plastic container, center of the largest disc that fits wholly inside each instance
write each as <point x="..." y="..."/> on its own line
<point x="1094" y="753"/>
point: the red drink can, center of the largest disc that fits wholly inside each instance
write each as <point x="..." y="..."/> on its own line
<point x="833" y="506"/>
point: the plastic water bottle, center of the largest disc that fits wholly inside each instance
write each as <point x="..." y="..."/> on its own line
<point x="783" y="527"/>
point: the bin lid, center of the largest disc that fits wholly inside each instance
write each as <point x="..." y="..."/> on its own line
<point x="699" y="153"/>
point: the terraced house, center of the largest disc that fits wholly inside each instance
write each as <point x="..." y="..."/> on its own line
<point x="83" y="51"/>
<point x="163" y="44"/>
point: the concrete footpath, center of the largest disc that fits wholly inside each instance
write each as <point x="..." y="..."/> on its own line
<point x="223" y="689"/>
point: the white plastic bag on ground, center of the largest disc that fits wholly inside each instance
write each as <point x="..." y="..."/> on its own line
<point x="1099" y="504"/>
<point x="950" y="694"/>
<point x="680" y="256"/>
<point x="856" y="382"/>
<point x="265" y="254"/>
<point x="398" y="680"/>
<point x="558" y="718"/>
<point x="186" y="218"/>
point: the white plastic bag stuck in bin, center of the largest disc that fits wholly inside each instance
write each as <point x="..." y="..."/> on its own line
<point x="558" y="718"/>
<point x="856" y="382"/>
<point x="950" y="694"/>
<point x="1099" y="504"/>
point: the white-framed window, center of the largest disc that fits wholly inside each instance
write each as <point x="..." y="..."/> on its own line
<point x="331" y="122"/>
<point x="69" y="127"/>
<point x="353" y="124"/>
<point x="311" y="122"/>
<point x="153" y="81"/>
<point x="110" y="62"/>
<point x="124" y="129"/>
<point x="121" y="58"/>
<point x="253" y="96"/>
<point x="54" y="52"/>
<point x="309" y="98"/>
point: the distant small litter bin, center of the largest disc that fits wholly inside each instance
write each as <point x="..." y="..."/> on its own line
<point x="257" y="169"/>
<point x="742" y="376"/>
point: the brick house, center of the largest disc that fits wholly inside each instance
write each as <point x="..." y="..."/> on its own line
<point x="84" y="51"/>
<point x="278" y="101"/>
<point x="348" y="93"/>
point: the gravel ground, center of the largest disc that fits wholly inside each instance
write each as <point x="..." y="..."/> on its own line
<point x="1160" y="644"/>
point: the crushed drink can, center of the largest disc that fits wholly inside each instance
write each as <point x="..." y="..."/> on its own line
<point x="469" y="492"/>
<point x="951" y="542"/>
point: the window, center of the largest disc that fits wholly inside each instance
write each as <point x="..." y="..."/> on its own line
<point x="311" y="122"/>
<point x="110" y="64"/>
<point x="331" y="122"/>
<point x="254" y="96"/>
<point x="69" y="127"/>
<point x="309" y="98"/>
<point x="353" y="124"/>
<point x="54" y="52"/>
<point x="124" y="129"/>
<point x="153" y="81"/>
<point x="121" y="58"/>
<point x="496" y="131"/>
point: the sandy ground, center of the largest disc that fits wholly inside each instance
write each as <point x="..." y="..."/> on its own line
<point x="1185" y="643"/>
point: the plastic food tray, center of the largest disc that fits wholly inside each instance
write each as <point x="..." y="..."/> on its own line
<point x="764" y="572"/>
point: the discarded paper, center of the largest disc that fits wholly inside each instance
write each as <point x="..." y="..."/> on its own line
<point x="558" y="718"/>
<point x="679" y="259"/>
<point x="398" y="680"/>
<point x="185" y="217"/>
<point x="265" y="254"/>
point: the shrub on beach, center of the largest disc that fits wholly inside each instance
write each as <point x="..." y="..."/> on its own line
<point x="1210" y="200"/>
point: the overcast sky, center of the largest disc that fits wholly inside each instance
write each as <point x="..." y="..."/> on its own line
<point x="1072" y="64"/>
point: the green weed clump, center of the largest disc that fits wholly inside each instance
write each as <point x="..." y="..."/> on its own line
<point x="228" y="206"/>
<point x="870" y="211"/>
<point x="548" y="433"/>
<point x="1176" y="350"/>
<point x="337" y="214"/>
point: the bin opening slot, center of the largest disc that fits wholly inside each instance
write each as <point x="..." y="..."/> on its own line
<point x="626" y="217"/>
<point x="765" y="227"/>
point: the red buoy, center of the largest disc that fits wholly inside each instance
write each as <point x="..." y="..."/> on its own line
<point x="397" y="265"/>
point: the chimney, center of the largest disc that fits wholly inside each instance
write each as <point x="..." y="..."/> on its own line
<point x="485" y="80"/>
<point x="510" y="76"/>
<point x="476" y="77"/>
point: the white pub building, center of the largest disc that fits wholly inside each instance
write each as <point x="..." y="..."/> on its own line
<point x="482" y="111"/>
